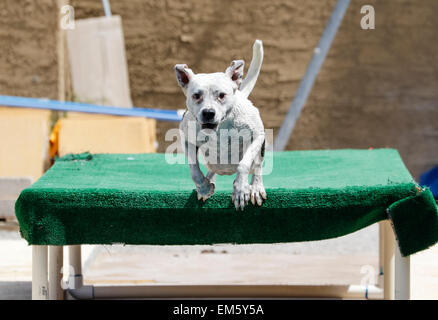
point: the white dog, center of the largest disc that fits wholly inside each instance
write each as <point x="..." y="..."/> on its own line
<point x="218" y="103"/>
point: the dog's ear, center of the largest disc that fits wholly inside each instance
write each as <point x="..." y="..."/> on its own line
<point x="235" y="71"/>
<point x="183" y="75"/>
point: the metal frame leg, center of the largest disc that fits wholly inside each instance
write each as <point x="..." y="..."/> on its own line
<point x="40" y="289"/>
<point x="380" y="277"/>
<point x="56" y="257"/>
<point x="388" y="261"/>
<point x="402" y="276"/>
<point x="396" y="269"/>
<point x="75" y="279"/>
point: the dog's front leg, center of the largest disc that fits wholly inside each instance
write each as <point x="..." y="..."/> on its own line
<point x="204" y="185"/>
<point x="241" y="188"/>
<point x="257" y="192"/>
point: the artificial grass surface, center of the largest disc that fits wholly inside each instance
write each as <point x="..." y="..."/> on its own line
<point x="141" y="199"/>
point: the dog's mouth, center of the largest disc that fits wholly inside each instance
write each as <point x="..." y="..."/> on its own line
<point x="212" y="126"/>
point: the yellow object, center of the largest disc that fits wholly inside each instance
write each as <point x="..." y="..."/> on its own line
<point x="54" y="139"/>
<point x="104" y="135"/>
<point x="24" y="142"/>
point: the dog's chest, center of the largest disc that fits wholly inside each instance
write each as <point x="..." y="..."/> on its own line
<point x="223" y="151"/>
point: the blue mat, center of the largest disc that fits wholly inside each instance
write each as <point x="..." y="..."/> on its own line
<point x="430" y="179"/>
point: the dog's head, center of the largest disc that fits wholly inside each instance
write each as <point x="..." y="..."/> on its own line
<point x="210" y="96"/>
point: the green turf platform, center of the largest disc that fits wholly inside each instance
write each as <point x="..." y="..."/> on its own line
<point x="141" y="199"/>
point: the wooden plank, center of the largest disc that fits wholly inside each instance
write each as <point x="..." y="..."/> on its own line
<point x="98" y="62"/>
<point x="25" y="141"/>
<point x="116" y="135"/>
<point x="99" y="75"/>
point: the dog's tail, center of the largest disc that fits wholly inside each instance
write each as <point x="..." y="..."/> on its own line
<point x="254" y="69"/>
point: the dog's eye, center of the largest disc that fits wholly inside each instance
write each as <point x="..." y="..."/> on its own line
<point x="221" y="95"/>
<point x="196" y="96"/>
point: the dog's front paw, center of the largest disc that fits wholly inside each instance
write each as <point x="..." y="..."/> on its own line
<point x="257" y="193"/>
<point x="240" y="193"/>
<point x="205" y="190"/>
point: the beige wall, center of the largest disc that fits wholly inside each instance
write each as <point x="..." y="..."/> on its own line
<point x="28" y="62"/>
<point x="376" y="88"/>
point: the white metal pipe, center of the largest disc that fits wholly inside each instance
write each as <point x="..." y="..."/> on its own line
<point x="381" y="253"/>
<point x="402" y="276"/>
<point x="75" y="280"/>
<point x="309" y="78"/>
<point x="106" y="8"/>
<point x="236" y="291"/>
<point x="83" y="293"/>
<point x="388" y="263"/>
<point x="75" y="258"/>
<point x="56" y="257"/>
<point x="39" y="273"/>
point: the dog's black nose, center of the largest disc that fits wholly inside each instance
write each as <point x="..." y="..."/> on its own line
<point x="208" y="114"/>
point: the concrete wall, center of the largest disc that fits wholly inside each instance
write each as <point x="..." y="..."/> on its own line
<point x="376" y="88"/>
<point x="28" y="67"/>
<point x="28" y="61"/>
